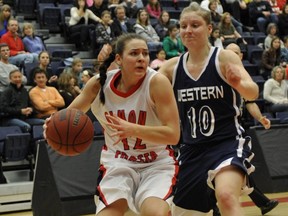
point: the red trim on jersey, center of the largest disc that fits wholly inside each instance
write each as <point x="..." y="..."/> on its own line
<point x="174" y="179"/>
<point x="122" y="94"/>
<point x="101" y="195"/>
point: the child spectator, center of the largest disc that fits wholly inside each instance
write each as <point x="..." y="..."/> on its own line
<point x="214" y="38"/>
<point x="159" y="61"/>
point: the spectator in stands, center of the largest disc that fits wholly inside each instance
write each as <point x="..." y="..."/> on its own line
<point x="276" y="90"/>
<point x="103" y="31"/>
<point x="75" y="70"/>
<point x="112" y="4"/>
<point x="154" y="8"/>
<point x="44" y="61"/>
<point x="160" y="59"/>
<point x="46" y="100"/>
<point x="283" y="22"/>
<point x="261" y="14"/>
<point x="284" y="51"/>
<point x="172" y="44"/>
<point x="120" y="24"/>
<point x="86" y="75"/>
<point x="216" y="17"/>
<point x="146" y="30"/>
<point x="235" y="7"/>
<point x="131" y="7"/>
<point x="66" y="84"/>
<point x="228" y="33"/>
<point x="18" y="55"/>
<point x="276" y="6"/>
<point x="98" y="7"/>
<point x="16" y="105"/>
<point x="6" y="67"/>
<point x="79" y="23"/>
<point x="32" y="43"/>
<point x="162" y="25"/>
<point x="214" y="38"/>
<point x="271" y="57"/>
<point x="272" y="30"/>
<point x="5" y="14"/>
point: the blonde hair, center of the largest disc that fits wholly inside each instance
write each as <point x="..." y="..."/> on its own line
<point x="274" y="70"/>
<point x="27" y="25"/>
<point x="195" y="7"/>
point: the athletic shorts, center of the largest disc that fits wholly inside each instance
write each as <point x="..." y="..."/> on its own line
<point x="135" y="184"/>
<point x="198" y="166"/>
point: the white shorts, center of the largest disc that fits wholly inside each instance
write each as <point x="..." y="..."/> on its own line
<point x="135" y="185"/>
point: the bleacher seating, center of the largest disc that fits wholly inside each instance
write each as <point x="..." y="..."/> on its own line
<point x="283" y="116"/>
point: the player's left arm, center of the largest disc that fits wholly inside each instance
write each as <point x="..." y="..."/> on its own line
<point x="236" y="75"/>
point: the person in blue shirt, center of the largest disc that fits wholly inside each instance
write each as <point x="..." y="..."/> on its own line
<point x="32" y="43"/>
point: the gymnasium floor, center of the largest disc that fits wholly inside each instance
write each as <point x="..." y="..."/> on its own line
<point x="249" y="208"/>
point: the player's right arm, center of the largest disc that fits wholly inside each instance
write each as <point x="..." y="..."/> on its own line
<point x="86" y="97"/>
<point x="168" y="67"/>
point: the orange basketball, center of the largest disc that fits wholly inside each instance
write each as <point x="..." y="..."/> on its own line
<point x="69" y="132"/>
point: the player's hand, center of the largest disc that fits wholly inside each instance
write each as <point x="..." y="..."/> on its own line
<point x="265" y="122"/>
<point x="232" y="75"/>
<point x="124" y="128"/>
<point x="45" y="126"/>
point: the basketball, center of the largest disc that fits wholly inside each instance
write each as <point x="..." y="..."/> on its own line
<point x="69" y="132"/>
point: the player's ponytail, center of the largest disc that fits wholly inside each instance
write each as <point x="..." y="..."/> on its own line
<point x="103" y="69"/>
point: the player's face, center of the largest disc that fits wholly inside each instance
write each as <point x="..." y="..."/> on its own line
<point x="194" y="31"/>
<point x="135" y="58"/>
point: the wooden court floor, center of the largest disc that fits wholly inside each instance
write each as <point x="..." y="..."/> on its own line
<point x="249" y="208"/>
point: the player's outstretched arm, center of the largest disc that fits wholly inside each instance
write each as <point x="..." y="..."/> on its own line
<point x="236" y="75"/>
<point x="87" y="96"/>
<point x="255" y="112"/>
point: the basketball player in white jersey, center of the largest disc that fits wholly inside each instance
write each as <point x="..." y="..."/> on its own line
<point x="137" y="109"/>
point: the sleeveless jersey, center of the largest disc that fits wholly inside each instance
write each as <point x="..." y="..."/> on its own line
<point x="208" y="106"/>
<point x="135" y="106"/>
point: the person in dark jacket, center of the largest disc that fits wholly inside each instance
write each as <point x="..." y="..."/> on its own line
<point x="260" y="12"/>
<point x="120" y="24"/>
<point x="15" y="104"/>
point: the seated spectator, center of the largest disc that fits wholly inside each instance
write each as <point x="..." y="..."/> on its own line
<point x="162" y="25"/>
<point x="5" y="15"/>
<point x="160" y="59"/>
<point x="44" y="61"/>
<point x="276" y="6"/>
<point x="131" y="7"/>
<point x="214" y="38"/>
<point x="66" y="88"/>
<point x="79" y="22"/>
<point x="32" y="43"/>
<point x="284" y="51"/>
<point x="261" y="14"/>
<point x="154" y="8"/>
<point x="271" y="58"/>
<point x="172" y="44"/>
<point x="146" y="30"/>
<point x="276" y="89"/>
<point x="228" y="32"/>
<point x="75" y="70"/>
<point x="103" y="32"/>
<point x="18" y="55"/>
<point x="112" y="4"/>
<point x="120" y="23"/>
<point x="98" y="7"/>
<point x="46" y="100"/>
<point x="86" y="75"/>
<point x="271" y="32"/>
<point x="283" y="22"/>
<point x="6" y="67"/>
<point x="16" y="105"/>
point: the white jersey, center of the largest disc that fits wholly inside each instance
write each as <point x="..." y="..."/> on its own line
<point x="134" y="106"/>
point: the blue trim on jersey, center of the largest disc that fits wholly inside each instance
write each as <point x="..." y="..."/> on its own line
<point x="208" y="107"/>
